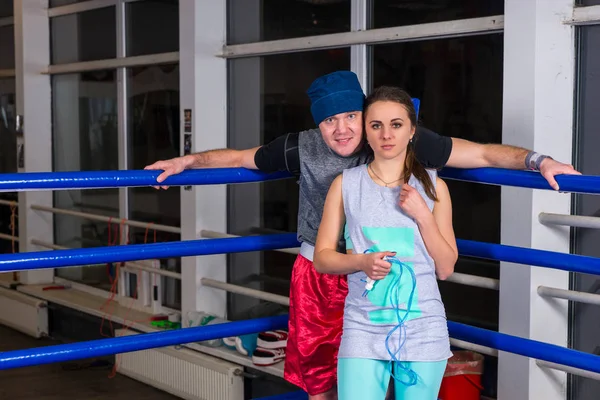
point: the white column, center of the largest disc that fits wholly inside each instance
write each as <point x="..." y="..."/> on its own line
<point x="203" y="77"/>
<point x="538" y="110"/>
<point x="32" y="53"/>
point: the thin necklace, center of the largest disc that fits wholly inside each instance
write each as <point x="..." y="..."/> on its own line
<point x="377" y="176"/>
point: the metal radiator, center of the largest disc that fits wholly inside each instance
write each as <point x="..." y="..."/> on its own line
<point x="23" y="313"/>
<point x="182" y="372"/>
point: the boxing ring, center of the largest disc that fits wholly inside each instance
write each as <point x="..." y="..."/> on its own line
<point x="546" y="355"/>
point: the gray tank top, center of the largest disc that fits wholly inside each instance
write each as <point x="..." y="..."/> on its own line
<point x="375" y="222"/>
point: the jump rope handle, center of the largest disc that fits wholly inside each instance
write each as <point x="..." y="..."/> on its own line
<point x="371" y="282"/>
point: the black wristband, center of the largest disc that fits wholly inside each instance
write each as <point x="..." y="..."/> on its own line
<point x="528" y="160"/>
<point x="533" y="161"/>
<point x="538" y="162"/>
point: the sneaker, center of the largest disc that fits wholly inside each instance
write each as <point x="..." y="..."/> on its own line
<point x="272" y="339"/>
<point x="265" y="357"/>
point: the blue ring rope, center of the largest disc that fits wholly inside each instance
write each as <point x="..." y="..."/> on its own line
<point x="28" y="181"/>
<point x="216" y="176"/>
<point x="96" y="348"/>
<point x="522" y="255"/>
<point x="525" y="347"/>
<point x="134" y="252"/>
<point x="526" y="179"/>
<point x="124" y="344"/>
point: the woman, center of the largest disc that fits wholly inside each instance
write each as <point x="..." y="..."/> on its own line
<point x="399" y="237"/>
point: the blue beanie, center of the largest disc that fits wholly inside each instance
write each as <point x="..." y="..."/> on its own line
<point x="335" y="93"/>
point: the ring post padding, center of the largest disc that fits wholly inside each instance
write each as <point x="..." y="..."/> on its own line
<point x="124" y="344"/>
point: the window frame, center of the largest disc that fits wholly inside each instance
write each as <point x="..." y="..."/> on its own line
<point x="120" y="64"/>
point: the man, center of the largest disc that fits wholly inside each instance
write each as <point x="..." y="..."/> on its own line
<point x="317" y="156"/>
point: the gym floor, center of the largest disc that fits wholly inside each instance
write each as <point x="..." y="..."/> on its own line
<point x="84" y="379"/>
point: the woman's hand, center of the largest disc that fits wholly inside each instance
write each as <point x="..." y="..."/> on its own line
<point x="375" y="266"/>
<point x="412" y="203"/>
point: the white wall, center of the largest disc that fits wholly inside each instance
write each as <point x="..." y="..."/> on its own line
<point x="538" y="104"/>
<point x="32" y="55"/>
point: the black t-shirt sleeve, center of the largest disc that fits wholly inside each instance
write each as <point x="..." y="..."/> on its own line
<point x="281" y="154"/>
<point x="432" y="149"/>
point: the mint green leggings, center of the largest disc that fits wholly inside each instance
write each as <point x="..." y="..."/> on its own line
<point x="362" y="378"/>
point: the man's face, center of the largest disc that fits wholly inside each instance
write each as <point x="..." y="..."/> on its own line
<point x="343" y="132"/>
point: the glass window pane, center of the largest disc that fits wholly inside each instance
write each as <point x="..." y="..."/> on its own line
<point x="6" y="8"/>
<point x="8" y="143"/>
<point x="584" y="317"/>
<point x="388" y="13"/>
<point x="85" y="138"/>
<point x="8" y="160"/>
<point x="142" y="19"/>
<point x="588" y="2"/>
<point x="459" y="82"/>
<point x="265" y="103"/>
<point x="258" y="20"/>
<point x="85" y="36"/>
<point x="153" y="118"/>
<point x="7" y="47"/>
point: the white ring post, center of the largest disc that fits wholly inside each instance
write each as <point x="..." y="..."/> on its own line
<point x="32" y="55"/>
<point x="203" y="81"/>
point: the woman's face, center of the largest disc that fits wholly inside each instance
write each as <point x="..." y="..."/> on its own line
<point x="388" y="129"/>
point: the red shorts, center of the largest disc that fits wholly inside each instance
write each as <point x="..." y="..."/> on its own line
<point x="315" y="327"/>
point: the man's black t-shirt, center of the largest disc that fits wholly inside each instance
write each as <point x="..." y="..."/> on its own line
<point x="282" y="154"/>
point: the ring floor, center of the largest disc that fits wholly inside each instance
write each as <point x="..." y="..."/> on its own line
<point x="72" y="380"/>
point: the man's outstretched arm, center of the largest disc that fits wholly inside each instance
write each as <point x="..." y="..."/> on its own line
<point x="219" y="158"/>
<point x="281" y="154"/>
<point x="466" y="154"/>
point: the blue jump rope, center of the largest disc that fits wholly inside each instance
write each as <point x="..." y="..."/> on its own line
<point x="394" y="301"/>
